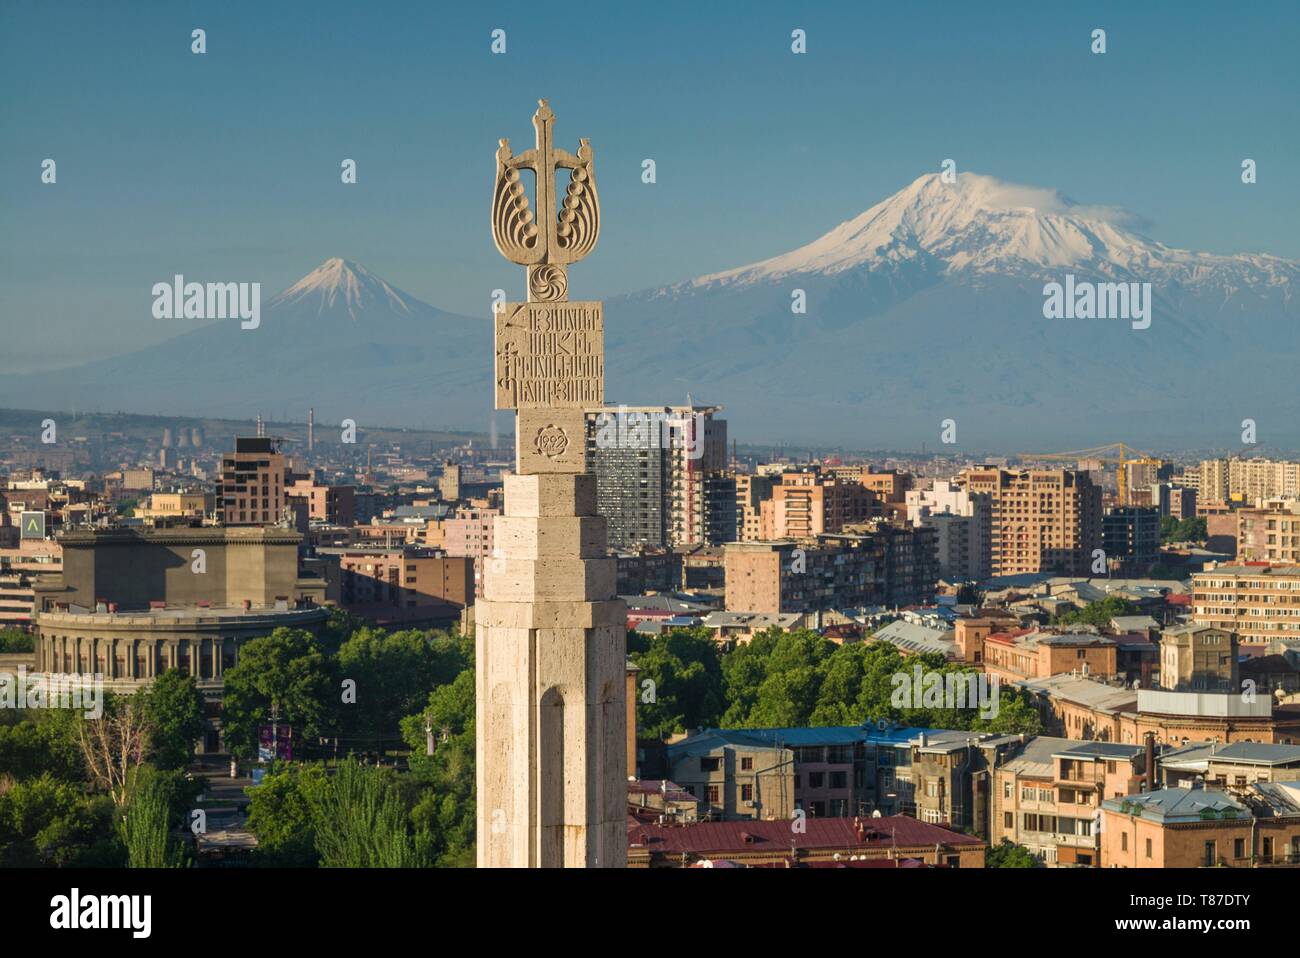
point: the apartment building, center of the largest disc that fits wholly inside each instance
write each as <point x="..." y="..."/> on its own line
<point x="1259" y="603"/>
<point x="801" y="576"/>
<point x="735" y="775"/>
<point x="1270" y="533"/>
<point x="661" y="475"/>
<point x="469" y="533"/>
<point x="808" y="503"/>
<point x="403" y="579"/>
<point x="751" y="493"/>
<point x="1198" y="827"/>
<point x="323" y="502"/>
<point x="1199" y="658"/>
<point x="883" y="565"/>
<point x="1044" y="520"/>
<point x="1169" y="499"/>
<point x="1048" y="798"/>
<point x="949" y="776"/>
<point x="935" y="775"/>
<point x="963" y="526"/>
<point x="1131" y="538"/>
<point x="1235" y="765"/>
<point x="1248" y="480"/>
<point x="23" y="569"/>
<point x="1021" y="655"/>
<point x="251" y="490"/>
<point x="907" y="564"/>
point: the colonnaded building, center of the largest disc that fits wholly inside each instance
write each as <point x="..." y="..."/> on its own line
<point x="132" y="603"/>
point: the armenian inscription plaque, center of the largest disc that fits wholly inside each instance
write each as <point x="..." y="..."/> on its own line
<point x="550" y="355"/>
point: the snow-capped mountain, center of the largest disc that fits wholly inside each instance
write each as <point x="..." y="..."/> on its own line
<point x="929" y="306"/>
<point x="340" y="339"/>
<point x="926" y="307"/>
<point x="980" y="224"/>
<point x="344" y="285"/>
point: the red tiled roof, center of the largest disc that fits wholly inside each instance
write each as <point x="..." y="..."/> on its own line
<point x="1172" y="599"/>
<point x="716" y="839"/>
<point x="1009" y="636"/>
<point x="860" y="863"/>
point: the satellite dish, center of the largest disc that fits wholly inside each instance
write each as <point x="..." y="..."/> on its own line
<point x="875" y="813"/>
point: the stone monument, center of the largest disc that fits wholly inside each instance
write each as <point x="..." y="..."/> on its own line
<point x="550" y="630"/>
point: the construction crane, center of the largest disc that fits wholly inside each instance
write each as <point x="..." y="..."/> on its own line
<point x="1117" y="452"/>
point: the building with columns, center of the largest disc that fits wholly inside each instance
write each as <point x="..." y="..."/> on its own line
<point x="131" y="604"/>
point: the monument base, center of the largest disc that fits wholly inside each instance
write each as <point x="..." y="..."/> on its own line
<point x="551" y="650"/>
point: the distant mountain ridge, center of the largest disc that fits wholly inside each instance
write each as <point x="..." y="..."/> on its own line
<point x="927" y="306"/>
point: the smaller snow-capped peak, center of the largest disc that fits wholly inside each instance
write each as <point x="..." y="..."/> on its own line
<point x="983" y="224"/>
<point x="341" y="282"/>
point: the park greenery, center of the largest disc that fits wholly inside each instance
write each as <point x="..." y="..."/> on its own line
<point x="383" y="765"/>
<point x="106" y="791"/>
<point x="795" y="678"/>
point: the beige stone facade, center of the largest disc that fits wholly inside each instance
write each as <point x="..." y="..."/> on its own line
<point x="1258" y="603"/>
<point x="551" y="708"/>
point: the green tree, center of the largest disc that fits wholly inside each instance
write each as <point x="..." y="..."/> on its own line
<point x="685" y="672"/>
<point x="393" y="673"/>
<point x="1098" y="613"/>
<point x="45" y="821"/>
<point x="1191" y="529"/>
<point x="444" y="804"/>
<point x="36" y="742"/>
<point x="16" y="640"/>
<point x="147" y="821"/>
<point x="173" y="708"/>
<point x="1010" y="855"/>
<point x="280" y="815"/>
<point x="1016" y="715"/>
<point x="286" y="670"/>
<point x="361" y="821"/>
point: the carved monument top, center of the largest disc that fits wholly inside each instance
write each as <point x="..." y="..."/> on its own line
<point x="547" y="241"/>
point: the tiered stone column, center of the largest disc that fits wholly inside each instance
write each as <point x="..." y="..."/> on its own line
<point x="550" y="631"/>
<point x="551" y="654"/>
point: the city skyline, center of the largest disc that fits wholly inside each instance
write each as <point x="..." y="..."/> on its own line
<point x="832" y="436"/>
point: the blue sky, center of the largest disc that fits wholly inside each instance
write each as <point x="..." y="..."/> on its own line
<point x="225" y="166"/>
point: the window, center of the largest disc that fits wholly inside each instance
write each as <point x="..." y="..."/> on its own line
<point x="746" y="764"/>
<point x="1007" y="821"/>
<point x="839" y="780"/>
<point x="711" y="794"/>
<point x="747" y="793"/>
<point x="1239" y="848"/>
<point x="710" y="764"/>
<point x="1211" y="854"/>
<point x="816" y="779"/>
<point x="1148" y="848"/>
<point x="1123" y="841"/>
